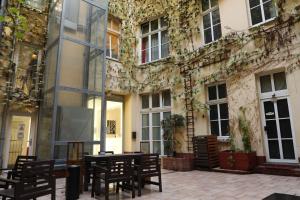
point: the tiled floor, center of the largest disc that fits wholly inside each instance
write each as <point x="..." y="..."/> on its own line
<point x="198" y="185"/>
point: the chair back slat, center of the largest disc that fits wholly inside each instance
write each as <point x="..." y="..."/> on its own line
<point x="150" y="163"/>
<point x="119" y="167"/>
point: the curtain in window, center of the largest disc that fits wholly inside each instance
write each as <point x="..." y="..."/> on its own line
<point x="72" y="10"/>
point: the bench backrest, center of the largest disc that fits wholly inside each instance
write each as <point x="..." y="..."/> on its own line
<point x="150" y="163"/>
<point x="120" y="167"/>
<point x="18" y="167"/>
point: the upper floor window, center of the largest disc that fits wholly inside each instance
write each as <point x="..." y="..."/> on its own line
<point x="155" y="41"/>
<point x="37" y="4"/>
<point x="262" y="11"/>
<point x="113" y="38"/>
<point x="211" y="21"/>
<point x="218" y="110"/>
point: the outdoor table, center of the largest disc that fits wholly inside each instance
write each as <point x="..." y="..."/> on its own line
<point x="89" y="159"/>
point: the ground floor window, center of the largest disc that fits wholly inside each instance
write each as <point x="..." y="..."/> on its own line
<point x="155" y="108"/>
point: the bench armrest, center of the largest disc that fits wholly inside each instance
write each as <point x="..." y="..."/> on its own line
<point x="10" y="181"/>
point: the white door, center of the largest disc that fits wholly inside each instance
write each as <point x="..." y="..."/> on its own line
<point x="276" y="116"/>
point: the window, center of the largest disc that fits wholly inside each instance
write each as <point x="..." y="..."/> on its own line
<point x="72" y="14"/>
<point x="273" y="83"/>
<point x="113" y="38"/>
<point x="218" y="110"/>
<point x="36" y="4"/>
<point x="155" y="41"/>
<point x="261" y="11"/>
<point x="155" y="108"/>
<point x="211" y="21"/>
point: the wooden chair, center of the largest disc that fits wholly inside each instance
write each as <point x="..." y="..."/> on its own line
<point x="36" y="180"/>
<point x="118" y="169"/>
<point x="14" y="173"/>
<point x="149" y="167"/>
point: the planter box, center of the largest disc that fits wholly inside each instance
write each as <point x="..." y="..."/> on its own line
<point x="177" y="163"/>
<point x="227" y="160"/>
<point x="245" y="161"/>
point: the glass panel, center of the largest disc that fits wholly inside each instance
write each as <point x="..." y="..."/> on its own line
<point x="37" y="4"/>
<point x="54" y="23"/>
<point x="225" y="127"/>
<point x="214" y="126"/>
<point x="145" y="133"/>
<point x="207" y="36"/>
<point x="222" y="91"/>
<point x="155" y="101"/>
<point x="283" y="108"/>
<point x="213" y="3"/>
<point x="115" y="46"/>
<point x="256" y="15"/>
<point x="60" y="152"/>
<point x="116" y="24"/>
<point x="274" y="149"/>
<point x="213" y="112"/>
<point x="212" y="93"/>
<point x="205" y="5"/>
<point x="269" y="110"/>
<point x="269" y="10"/>
<point x="254" y="3"/>
<point x="156" y="119"/>
<point x="206" y="21"/>
<point x="108" y="47"/>
<point x="145" y="46"/>
<point x="166" y="98"/>
<point x="154" y="25"/>
<point x="145" y="147"/>
<point x="217" y="32"/>
<point x="216" y="17"/>
<point x="84" y="22"/>
<point x="280" y="81"/>
<point x="265" y="84"/>
<point x="145" y="120"/>
<point x="285" y="128"/>
<point x="156" y="147"/>
<point x="51" y="60"/>
<point x="165" y="50"/>
<point x="288" y="149"/>
<point x="164" y="37"/>
<point x="145" y="28"/>
<point x="145" y="101"/>
<point x="156" y="133"/>
<point x="75" y="67"/>
<point x="166" y="115"/>
<point x="163" y="22"/>
<point x="271" y="129"/>
<point x="224" y="111"/>
<point x="154" y="47"/>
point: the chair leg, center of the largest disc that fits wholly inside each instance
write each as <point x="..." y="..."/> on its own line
<point x="53" y="196"/>
<point x="139" y="185"/>
<point x="133" y="188"/>
<point x="106" y="190"/>
<point x="160" y="183"/>
<point x="93" y="187"/>
<point x="118" y="187"/>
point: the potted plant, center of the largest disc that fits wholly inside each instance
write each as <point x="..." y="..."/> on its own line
<point x="174" y="161"/>
<point x="226" y="158"/>
<point x="245" y="160"/>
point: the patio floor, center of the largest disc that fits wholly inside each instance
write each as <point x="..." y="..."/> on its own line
<point x="201" y="185"/>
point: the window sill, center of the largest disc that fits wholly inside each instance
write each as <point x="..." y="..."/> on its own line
<point x="265" y="23"/>
<point x="155" y="62"/>
<point x="113" y="59"/>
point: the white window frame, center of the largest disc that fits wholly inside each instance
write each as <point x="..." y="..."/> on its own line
<point x="262" y="12"/>
<point x="278" y="93"/>
<point x="110" y="32"/>
<point x="217" y="102"/>
<point x="209" y="12"/>
<point x="149" y="34"/>
<point x="150" y="111"/>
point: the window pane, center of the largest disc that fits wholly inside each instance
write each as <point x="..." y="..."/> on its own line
<point x="224" y="111"/>
<point x="163" y="22"/>
<point x="156" y="133"/>
<point x="115" y="46"/>
<point x="206" y="21"/>
<point x="212" y="93"/>
<point x="108" y="45"/>
<point x="154" y="45"/>
<point x="288" y="149"/>
<point x="165" y="50"/>
<point x="256" y="15"/>
<point x="283" y="108"/>
<point x="205" y="5"/>
<point x="265" y="84"/>
<point x="145" y="147"/>
<point x="116" y="25"/>
<point x="213" y="3"/>
<point x="145" y="133"/>
<point x="269" y="110"/>
<point x="156" y="147"/>
<point x="222" y="91"/>
<point x="145" y="28"/>
<point x="280" y="81"/>
<point x="214" y="126"/>
<point x="164" y="37"/>
<point x="145" y="43"/>
<point x="154" y="25"/>
<point x="207" y="36"/>
<point x="213" y="112"/>
<point x="271" y="129"/>
<point x="274" y="149"/>
<point x="155" y="101"/>
<point x="269" y="10"/>
<point x="254" y="3"/>
<point x="166" y="115"/>
<point x="216" y="17"/>
<point x="225" y="127"/>
<point x="285" y="128"/>
<point x="156" y="119"/>
<point x="145" y="120"/>
<point x="145" y="51"/>
<point x="166" y="97"/>
<point x="145" y="101"/>
<point x="217" y="32"/>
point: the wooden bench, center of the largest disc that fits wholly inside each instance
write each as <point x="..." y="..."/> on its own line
<point x="36" y="180"/>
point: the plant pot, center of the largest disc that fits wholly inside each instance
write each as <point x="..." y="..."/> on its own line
<point x="227" y="160"/>
<point x="245" y="161"/>
<point x="177" y="164"/>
